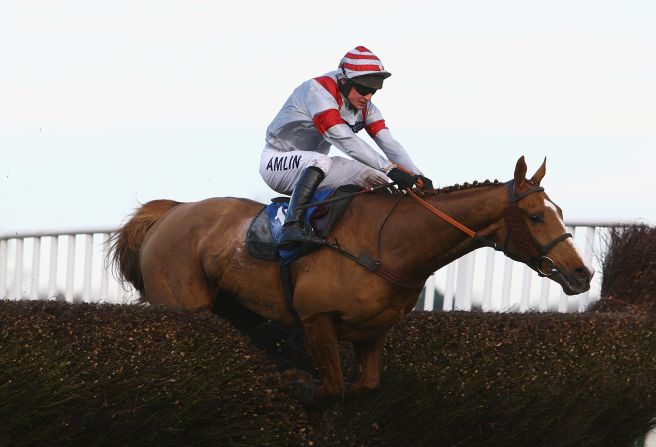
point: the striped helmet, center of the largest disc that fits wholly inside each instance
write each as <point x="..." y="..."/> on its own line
<point x="362" y="62"/>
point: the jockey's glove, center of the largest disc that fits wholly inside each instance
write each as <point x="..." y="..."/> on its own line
<point x="424" y="183"/>
<point x="402" y="179"/>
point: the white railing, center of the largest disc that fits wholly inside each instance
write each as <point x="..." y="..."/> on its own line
<point x="76" y="262"/>
<point x="473" y="281"/>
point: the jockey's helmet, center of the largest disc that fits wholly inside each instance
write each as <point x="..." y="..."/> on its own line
<point x="363" y="67"/>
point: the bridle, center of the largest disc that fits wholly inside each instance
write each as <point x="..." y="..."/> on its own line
<point x="543" y="264"/>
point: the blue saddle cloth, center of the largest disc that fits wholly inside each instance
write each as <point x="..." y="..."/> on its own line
<point x="265" y="230"/>
<point x="277" y="212"/>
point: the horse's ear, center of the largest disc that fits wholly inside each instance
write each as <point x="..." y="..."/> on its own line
<point x="520" y="173"/>
<point x="539" y="174"/>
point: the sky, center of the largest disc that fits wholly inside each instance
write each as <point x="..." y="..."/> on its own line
<point x="106" y="105"/>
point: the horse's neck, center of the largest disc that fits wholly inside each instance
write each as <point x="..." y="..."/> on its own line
<point x="423" y="242"/>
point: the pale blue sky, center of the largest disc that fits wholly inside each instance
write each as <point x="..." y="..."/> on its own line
<point x="107" y="104"/>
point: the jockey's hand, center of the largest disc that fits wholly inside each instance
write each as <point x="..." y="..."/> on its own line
<point x="402" y="179"/>
<point x="424" y="183"/>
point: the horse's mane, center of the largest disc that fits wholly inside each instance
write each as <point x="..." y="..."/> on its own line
<point x="459" y="187"/>
<point x="445" y="189"/>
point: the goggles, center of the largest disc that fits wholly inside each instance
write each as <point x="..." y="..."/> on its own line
<point x="364" y="91"/>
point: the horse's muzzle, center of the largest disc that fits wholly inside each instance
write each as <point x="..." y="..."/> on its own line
<point x="577" y="281"/>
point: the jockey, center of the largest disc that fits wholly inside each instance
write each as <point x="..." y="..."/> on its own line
<point x="330" y="110"/>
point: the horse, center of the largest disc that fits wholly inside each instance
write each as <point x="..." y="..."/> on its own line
<point x="187" y="254"/>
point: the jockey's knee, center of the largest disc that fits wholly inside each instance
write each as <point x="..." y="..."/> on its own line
<point x="370" y="177"/>
<point x="322" y="163"/>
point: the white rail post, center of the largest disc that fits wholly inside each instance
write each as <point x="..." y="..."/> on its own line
<point x="3" y="268"/>
<point x="36" y="264"/>
<point x="461" y="270"/>
<point x="70" y="271"/>
<point x="104" y="271"/>
<point x="507" y="285"/>
<point x="448" y="288"/>
<point x="18" y="272"/>
<point x="464" y="281"/>
<point x="524" y="304"/>
<point x="88" y="264"/>
<point x="429" y="293"/>
<point x="584" y="298"/>
<point x="120" y="291"/>
<point x="563" y="305"/>
<point x="489" y="278"/>
<point x="544" y="294"/>
<point x="52" y="280"/>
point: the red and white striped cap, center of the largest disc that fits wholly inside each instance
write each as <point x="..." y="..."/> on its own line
<point x="360" y="61"/>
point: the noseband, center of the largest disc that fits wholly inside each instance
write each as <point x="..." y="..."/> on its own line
<point x="543" y="264"/>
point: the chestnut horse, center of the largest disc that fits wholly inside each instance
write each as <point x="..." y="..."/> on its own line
<point x="185" y="254"/>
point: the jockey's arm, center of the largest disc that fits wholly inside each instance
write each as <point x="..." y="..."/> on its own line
<point x="324" y="110"/>
<point x="342" y="137"/>
<point x="394" y="151"/>
<point x="378" y="131"/>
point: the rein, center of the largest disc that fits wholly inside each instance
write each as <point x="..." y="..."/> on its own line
<point x="544" y="265"/>
<point x="468" y="231"/>
<point x="346" y="196"/>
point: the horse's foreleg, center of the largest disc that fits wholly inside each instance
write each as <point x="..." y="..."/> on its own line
<point x="321" y="341"/>
<point x="368" y="354"/>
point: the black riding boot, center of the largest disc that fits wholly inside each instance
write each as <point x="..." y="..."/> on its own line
<point x="295" y="232"/>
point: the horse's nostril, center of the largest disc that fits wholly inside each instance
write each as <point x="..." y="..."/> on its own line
<point x="583" y="274"/>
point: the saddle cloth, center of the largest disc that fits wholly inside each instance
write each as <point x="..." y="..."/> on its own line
<point x="265" y="229"/>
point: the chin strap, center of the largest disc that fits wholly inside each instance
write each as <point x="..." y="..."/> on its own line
<point x="345" y="84"/>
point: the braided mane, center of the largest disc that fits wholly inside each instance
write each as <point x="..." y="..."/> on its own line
<point x="459" y="187"/>
<point x="444" y="190"/>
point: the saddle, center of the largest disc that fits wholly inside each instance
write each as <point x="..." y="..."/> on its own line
<point x="265" y="229"/>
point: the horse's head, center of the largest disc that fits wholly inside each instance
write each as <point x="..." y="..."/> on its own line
<point x="535" y="233"/>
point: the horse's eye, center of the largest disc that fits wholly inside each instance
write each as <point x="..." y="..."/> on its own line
<point x="535" y="218"/>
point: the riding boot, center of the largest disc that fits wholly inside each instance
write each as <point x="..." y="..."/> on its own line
<point x="295" y="231"/>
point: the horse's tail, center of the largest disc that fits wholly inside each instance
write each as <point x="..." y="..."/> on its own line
<point x="126" y="243"/>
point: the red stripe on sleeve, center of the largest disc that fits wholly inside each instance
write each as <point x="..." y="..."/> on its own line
<point x="327" y="119"/>
<point x="331" y="85"/>
<point x="375" y="127"/>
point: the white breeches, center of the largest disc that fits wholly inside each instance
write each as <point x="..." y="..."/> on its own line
<point x="281" y="170"/>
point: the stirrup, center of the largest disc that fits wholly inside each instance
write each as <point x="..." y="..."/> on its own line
<point x="294" y="237"/>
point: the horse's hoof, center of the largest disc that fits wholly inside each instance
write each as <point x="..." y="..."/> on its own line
<point x="359" y="391"/>
<point x="300" y="384"/>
